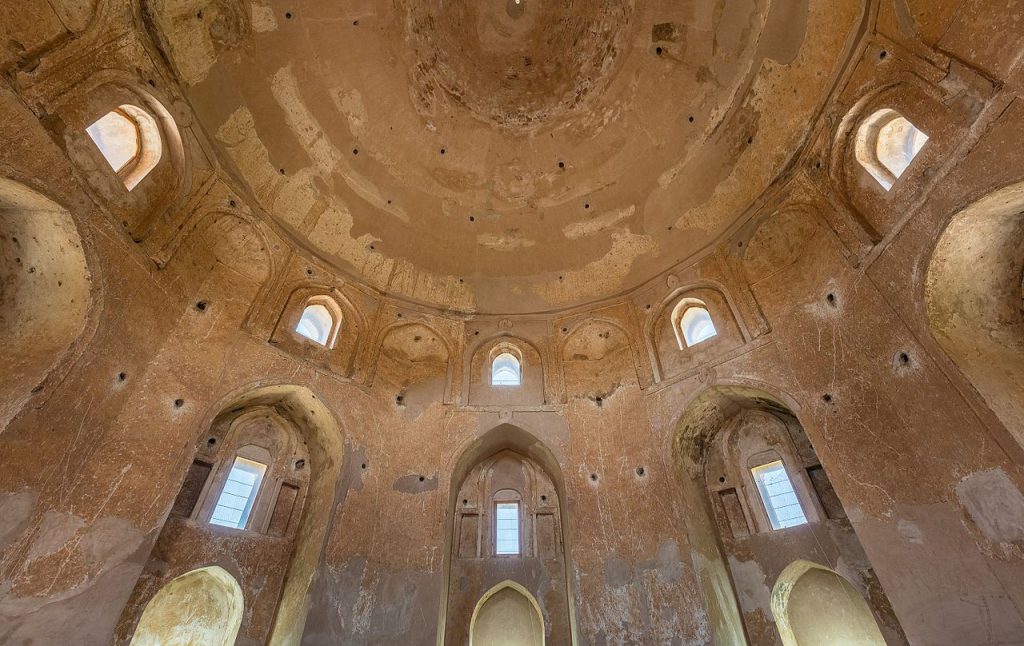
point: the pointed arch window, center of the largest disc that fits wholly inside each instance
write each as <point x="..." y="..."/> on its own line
<point x="692" y="323"/>
<point x="129" y="139"/>
<point x="320" y="321"/>
<point x="506" y="370"/>
<point x="887" y="143"/>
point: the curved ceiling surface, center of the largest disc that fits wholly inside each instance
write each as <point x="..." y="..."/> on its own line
<point x="501" y="155"/>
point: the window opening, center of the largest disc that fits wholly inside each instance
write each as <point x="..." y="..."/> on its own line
<point x="506" y="515"/>
<point x="778" y="496"/>
<point x="506" y="371"/>
<point x="117" y="137"/>
<point x="316" y="324"/>
<point x="129" y="139"/>
<point x="697" y="326"/>
<point x="887" y="144"/>
<point x="239" y="494"/>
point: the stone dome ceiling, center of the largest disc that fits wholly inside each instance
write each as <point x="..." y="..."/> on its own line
<point x="499" y="156"/>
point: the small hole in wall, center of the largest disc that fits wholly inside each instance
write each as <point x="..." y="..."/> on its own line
<point x="640" y="471"/>
<point x="355" y="151"/>
<point x="121" y="376"/>
<point x="355" y="23"/>
<point x="399" y="399"/>
<point x="543" y="498"/>
<point x="199" y="15"/>
<point x="831" y="298"/>
<point x="37" y="389"/>
<point x="280" y="170"/>
<point x="212" y="441"/>
<point x="658" y="50"/>
<point x="300" y="464"/>
<point x="309" y="272"/>
<point x="399" y="315"/>
<point x="232" y="203"/>
<point x="882" y="55"/>
<point x="721" y="479"/>
<point x="691" y="118"/>
<point x="593" y="477"/>
<point x="827" y="398"/>
<point x="201" y="306"/>
<point x="472" y="219"/>
<point x="151" y="82"/>
<point x="178" y="403"/>
<point x="599" y="401"/>
<point x="739" y="244"/>
<point x="586" y="205"/>
<point x="422" y="478"/>
<point x="443" y="151"/>
<point x="362" y="466"/>
<point x="564" y="330"/>
<point x="288" y="15"/>
<point x="561" y="164"/>
<point x="903" y="358"/>
<point x="465" y="501"/>
<point x="476" y="333"/>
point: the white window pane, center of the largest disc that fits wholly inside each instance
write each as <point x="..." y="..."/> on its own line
<point x="506" y="540"/>
<point x="505" y="371"/>
<point x="316" y="324"/>
<point x="117" y="137"/>
<point x="780" y="500"/>
<point x="697" y="326"/>
<point x="236" y="498"/>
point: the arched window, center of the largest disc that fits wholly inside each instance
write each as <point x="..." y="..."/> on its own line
<point x="778" y="496"/>
<point x="696" y="326"/>
<point x="129" y="139"/>
<point x="506" y="523"/>
<point x="505" y="370"/>
<point x="886" y="145"/>
<point x="239" y="493"/>
<point x="320" y="321"/>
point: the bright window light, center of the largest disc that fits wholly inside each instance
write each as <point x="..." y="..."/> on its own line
<point x="117" y="137"/>
<point x="316" y="324"/>
<point x="505" y="371"/>
<point x="777" y="494"/>
<point x="697" y="326"/>
<point x="239" y="493"/>
<point x="506" y="516"/>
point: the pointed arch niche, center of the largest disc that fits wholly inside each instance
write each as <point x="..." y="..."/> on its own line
<point x="483" y="391"/>
<point x="505" y="468"/>
<point x="974" y="294"/>
<point x="46" y="291"/>
<point x="813" y="605"/>
<point x="759" y="498"/>
<point x="507" y="614"/>
<point x="675" y="353"/>
<point x="203" y="606"/>
<point x="292" y="441"/>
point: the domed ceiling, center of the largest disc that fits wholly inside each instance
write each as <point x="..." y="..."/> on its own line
<point x="506" y="156"/>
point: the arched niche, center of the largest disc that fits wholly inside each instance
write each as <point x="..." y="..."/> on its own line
<point x="597" y="357"/>
<point x="974" y="297"/>
<point x="277" y="554"/>
<point x="507" y="615"/>
<point x="503" y="460"/>
<point x="728" y="436"/>
<point x="203" y="606"/>
<point x="225" y="255"/>
<point x="45" y="294"/>
<point x="530" y="391"/>
<point x="675" y="357"/>
<point x="415" y="361"/>
<point x="814" y="605"/>
<point x="778" y="241"/>
<point x="339" y="357"/>
<point x="167" y="179"/>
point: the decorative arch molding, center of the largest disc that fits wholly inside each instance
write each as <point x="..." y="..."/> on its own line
<point x="581" y="325"/>
<point x="536" y="385"/>
<point x="503" y="437"/>
<point x="341" y="358"/>
<point x="385" y="333"/>
<point x="165" y="188"/>
<point x="507" y="585"/>
<point x="840" y="616"/>
<point x="666" y="359"/>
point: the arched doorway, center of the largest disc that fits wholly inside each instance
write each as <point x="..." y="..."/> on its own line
<point x="45" y="293"/>
<point x="507" y="615"/>
<point x="974" y="296"/>
<point x="203" y="606"/>
<point x="815" y="605"/>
